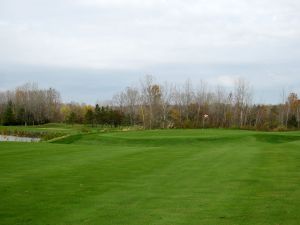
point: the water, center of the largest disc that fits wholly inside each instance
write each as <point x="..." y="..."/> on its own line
<point x="18" y="139"/>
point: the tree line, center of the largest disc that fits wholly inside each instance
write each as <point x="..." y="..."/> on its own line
<point x="29" y="105"/>
<point x="85" y="114"/>
<point x="153" y="105"/>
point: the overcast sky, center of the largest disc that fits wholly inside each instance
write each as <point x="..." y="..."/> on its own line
<point x="90" y="49"/>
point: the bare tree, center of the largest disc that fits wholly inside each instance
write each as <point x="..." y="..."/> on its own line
<point x="220" y="106"/>
<point x="130" y="98"/>
<point x="242" y="99"/>
<point x="151" y="96"/>
<point x="177" y="112"/>
<point x="166" y="99"/>
<point x="201" y="98"/>
<point x="187" y="98"/>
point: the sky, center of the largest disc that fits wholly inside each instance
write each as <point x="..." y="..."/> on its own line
<point x="90" y="49"/>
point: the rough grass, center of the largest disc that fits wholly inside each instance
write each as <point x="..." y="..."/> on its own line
<point x="162" y="177"/>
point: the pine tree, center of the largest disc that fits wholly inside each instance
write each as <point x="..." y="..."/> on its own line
<point x="9" y="116"/>
<point x="98" y="115"/>
<point x="89" y="117"/>
<point x="21" y="116"/>
<point x="71" y="118"/>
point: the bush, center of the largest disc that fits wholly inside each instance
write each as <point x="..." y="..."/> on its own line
<point x="280" y="128"/>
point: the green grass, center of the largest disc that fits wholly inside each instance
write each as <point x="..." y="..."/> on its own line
<point x="161" y="177"/>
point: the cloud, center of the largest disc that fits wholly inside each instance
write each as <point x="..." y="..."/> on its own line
<point x="134" y="34"/>
<point x="226" y="80"/>
<point x="216" y="40"/>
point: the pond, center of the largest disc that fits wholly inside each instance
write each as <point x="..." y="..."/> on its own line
<point x="18" y="139"/>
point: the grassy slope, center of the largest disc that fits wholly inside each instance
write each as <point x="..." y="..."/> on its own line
<point x="153" y="177"/>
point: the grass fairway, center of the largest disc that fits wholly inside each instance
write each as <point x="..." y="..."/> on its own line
<point x="170" y="177"/>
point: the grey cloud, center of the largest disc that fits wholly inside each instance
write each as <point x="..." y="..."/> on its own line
<point x="182" y="38"/>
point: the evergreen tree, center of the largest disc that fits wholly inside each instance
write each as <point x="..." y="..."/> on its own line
<point x="98" y="114"/>
<point x="89" y="117"/>
<point x="292" y="122"/>
<point x="21" y="117"/>
<point x="9" y="116"/>
<point x="71" y="118"/>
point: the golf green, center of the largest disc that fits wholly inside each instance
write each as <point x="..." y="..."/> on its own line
<point x="159" y="177"/>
